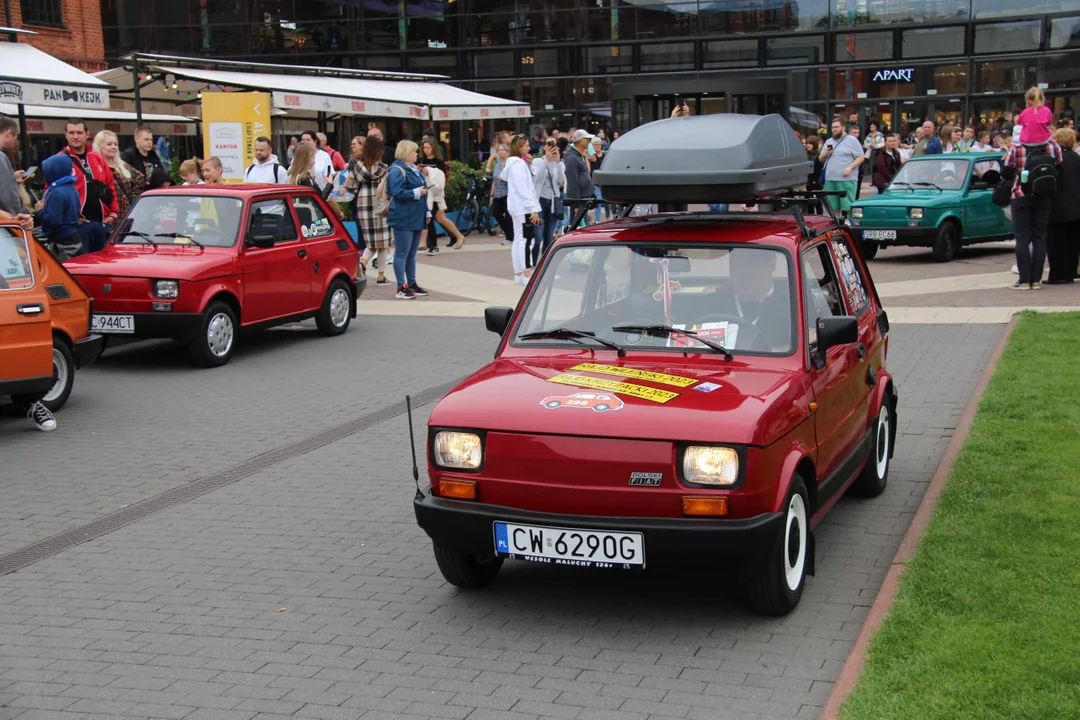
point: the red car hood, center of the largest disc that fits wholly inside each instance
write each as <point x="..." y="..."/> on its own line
<point x="735" y="403"/>
<point x="179" y="262"/>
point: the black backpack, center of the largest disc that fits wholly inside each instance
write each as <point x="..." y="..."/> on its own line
<point x="1042" y="173"/>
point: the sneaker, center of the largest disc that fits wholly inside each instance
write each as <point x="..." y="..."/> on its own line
<point x="1015" y="270"/>
<point x="505" y="242"/>
<point x="382" y="280"/>
<point x="417" y="290"/>
<point x="404" y="293"/>
<point x="1020" y="286"/>
<point x="519" y="279"/>
<point x="1036" y="286"/>
<point x="40" y="416"/>
<point x="433" y="251"/>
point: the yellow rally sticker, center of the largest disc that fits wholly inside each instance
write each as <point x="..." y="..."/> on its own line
<point x="640" y="391"/>
<point x="655" y="377"/>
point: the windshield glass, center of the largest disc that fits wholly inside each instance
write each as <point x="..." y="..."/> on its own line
<point x="16" y="272"/>
<point x="943" y="171"/>
<point x="736" y="297"/>
<point x="211" y="221"/>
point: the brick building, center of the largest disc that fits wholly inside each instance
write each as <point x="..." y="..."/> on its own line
<point x="67" y="29"/>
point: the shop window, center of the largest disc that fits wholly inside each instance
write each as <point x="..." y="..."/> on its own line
<point x="1008" y="37"/>
<point x="856" y="47"/>
<point x="604" y="59"/>
<point x="1064" y="32"/>
<point x="1061" y="70"/>
<point x="435" y="63"/>
<point x="667" y="56"/>
<point x="730" y="18"/>
<point x="42" y="12"/>
<point x="808" y="85"/>
<point x="1003" y="8"/>
<point x="945" y="80"/>
<point x="933" y="42"/>
<point x="1005" y="76"/>
<point x="495" y="63"/>
<point x="882" y="12"/>
<point x="795" y="50"/>
<point x="730" y="53"/>
<point x="547" y="61"/>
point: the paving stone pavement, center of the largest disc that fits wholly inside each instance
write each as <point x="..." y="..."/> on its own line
<point x="307" y="591"/>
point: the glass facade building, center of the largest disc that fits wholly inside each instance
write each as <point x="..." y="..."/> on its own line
<point x="618" y="63"/>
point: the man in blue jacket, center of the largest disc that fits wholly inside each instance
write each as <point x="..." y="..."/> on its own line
<point x="61" y="208"/>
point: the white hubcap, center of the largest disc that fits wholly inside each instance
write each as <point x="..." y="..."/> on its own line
<point x="339" y="307"/>
<point x="881" y="442"/>
<point x="219" y="335"/>
<point x="60" y="372"/>
<point x="795" y="542"/>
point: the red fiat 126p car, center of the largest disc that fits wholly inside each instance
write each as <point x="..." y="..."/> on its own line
<point x="748" y="353"/>
<point x="200" y="263"/>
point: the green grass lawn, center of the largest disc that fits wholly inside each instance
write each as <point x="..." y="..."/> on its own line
<point x="987" y="620"/>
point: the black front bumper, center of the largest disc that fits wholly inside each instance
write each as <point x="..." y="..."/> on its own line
<point x="88" y="350"/>
<point x="909" y="236"/>
<point x="468" y="527"/>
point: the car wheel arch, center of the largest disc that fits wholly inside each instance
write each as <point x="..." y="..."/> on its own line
<point x="229" y="299"/>
<point x="887" y="390"/>
<point x="798" y="461"/>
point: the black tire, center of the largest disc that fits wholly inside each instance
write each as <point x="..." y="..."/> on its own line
<point x="216" y="340"/>
<point x="773" y="589"/>
<point x="875" y="476"/>
<point x="869" y="249"/>
<point x="335" y="314"/>
<point x="63" y="374"/>
<point x="946" y="242"/>
<point x="492" y="230"/>
<point x="464" y="570"/>
<point x="468" y="217"/>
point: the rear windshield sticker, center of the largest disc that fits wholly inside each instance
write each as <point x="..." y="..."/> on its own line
<point x="636" y="374"/>
<point x="598" y="401"/>
<point x="639" y="391"/>
<point x="707" y="387"/>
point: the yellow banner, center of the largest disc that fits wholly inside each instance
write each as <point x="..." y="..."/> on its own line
<point x="655" y="377"/>
<point x="231" y="122"/>
<point x="639" y="391"/>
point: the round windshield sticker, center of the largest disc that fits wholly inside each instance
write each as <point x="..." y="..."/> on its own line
<point x="304" y="230"/>
<point x="314" y="229"/>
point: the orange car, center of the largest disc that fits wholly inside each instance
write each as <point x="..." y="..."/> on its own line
<point x="44" y="322"/>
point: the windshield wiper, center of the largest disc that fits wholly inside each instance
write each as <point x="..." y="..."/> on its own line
<point x="664" y="330"/>
<point x="141" y="235"/>
<point x="925" y="184"/>
<point x="175" y="235"/>
<point x="571" y="334"/>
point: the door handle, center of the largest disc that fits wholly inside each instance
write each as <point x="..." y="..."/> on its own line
<point x="301" y="253"/>
<point x="861" y="349"/>
<point x="30" y="309"/>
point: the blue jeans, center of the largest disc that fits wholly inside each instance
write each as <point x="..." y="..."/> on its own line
<point x="94" y="236"/>
<point x="406" y="243"/>
<point x="548" y="230"/>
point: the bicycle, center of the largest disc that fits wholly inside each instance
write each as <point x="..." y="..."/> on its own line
<point x="476" y="214"/>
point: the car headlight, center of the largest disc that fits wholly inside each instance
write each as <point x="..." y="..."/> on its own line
<point x="915" y="213"/>
<point x="166" y="288"/>
<point x="710" y="465"/>
<point x="458" y="450"/>
<point x="856" y="212"/>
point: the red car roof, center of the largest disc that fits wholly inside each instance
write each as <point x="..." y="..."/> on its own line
<point x="767" y="228"/>
<point x="231" y="189"/>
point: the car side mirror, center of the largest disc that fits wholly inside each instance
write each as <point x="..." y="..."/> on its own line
<point x="261" y="241"/>
<point x="497" y="319"/>
<point x="832" y="331"/>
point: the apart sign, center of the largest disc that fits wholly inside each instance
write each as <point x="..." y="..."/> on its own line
<point x="896" y="75"/>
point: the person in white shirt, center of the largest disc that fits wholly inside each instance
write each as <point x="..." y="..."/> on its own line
<point x="324" y="166"/>
<point x="265" y="169"/>
<point x="520" y="201"/>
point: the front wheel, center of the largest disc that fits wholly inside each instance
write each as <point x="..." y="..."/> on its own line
<point x="63" y="376"/>
<point x="875" y="475"/>
<point x="336" y="311"/>
<point x="947" y="242"/>
<point x="777" y="588"/>
<point x="216" y="339"/>
<point x="464" y="570"/>
<point x="468" y="216"/>
<point x="869" y="249"/>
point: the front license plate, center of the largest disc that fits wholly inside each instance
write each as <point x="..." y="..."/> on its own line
<point x="879" y="234"/>
<point x="113" y="324"/>
<point x="566" y="546"/>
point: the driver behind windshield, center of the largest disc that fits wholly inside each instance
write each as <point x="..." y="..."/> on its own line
<point x="757" y="299"/>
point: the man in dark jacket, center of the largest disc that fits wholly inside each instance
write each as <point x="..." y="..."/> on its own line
<point x="143" y="157"/>
<point x="578" y="181"/>
<point x="887" y="163"/>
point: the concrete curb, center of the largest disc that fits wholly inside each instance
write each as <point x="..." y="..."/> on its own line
<point x="849" y="674"/>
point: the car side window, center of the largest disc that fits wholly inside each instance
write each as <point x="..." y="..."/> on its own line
<point x="852" y="281"/>
<point x="314" y="223"/>
<point x="277" y="208"/>
<point x="16" y="269"/>
<point x="821" y="292"/>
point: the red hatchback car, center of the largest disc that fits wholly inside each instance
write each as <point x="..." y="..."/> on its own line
<point x="748" y="353"/>
<point x="200" y="263"/>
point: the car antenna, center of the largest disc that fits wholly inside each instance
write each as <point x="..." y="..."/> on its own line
<point x="412" y="446"/>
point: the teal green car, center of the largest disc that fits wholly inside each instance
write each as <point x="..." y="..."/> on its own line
<point x="941" y="202"/>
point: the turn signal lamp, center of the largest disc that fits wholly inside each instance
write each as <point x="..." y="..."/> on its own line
<point x="704" y="506"/>
<point x="457" y="489"/>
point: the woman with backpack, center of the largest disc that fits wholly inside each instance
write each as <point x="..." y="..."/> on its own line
<point x="367" y="176"/>
<point x="1035" y="171"/>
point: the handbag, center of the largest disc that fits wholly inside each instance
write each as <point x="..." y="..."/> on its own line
<point x="558" y="210"/>
<point x="528" y="230"/>
<point x="1002" y="195"/>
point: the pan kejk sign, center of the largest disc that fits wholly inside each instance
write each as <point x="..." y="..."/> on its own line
<point x="65" y="96"/>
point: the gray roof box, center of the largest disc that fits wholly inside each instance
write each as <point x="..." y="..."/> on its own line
<point x="704" y="159"/>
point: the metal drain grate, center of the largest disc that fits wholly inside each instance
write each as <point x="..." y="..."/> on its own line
<point x="177" y="496"/>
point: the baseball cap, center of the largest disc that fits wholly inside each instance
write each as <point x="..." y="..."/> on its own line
<point x="579" y="136"/>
